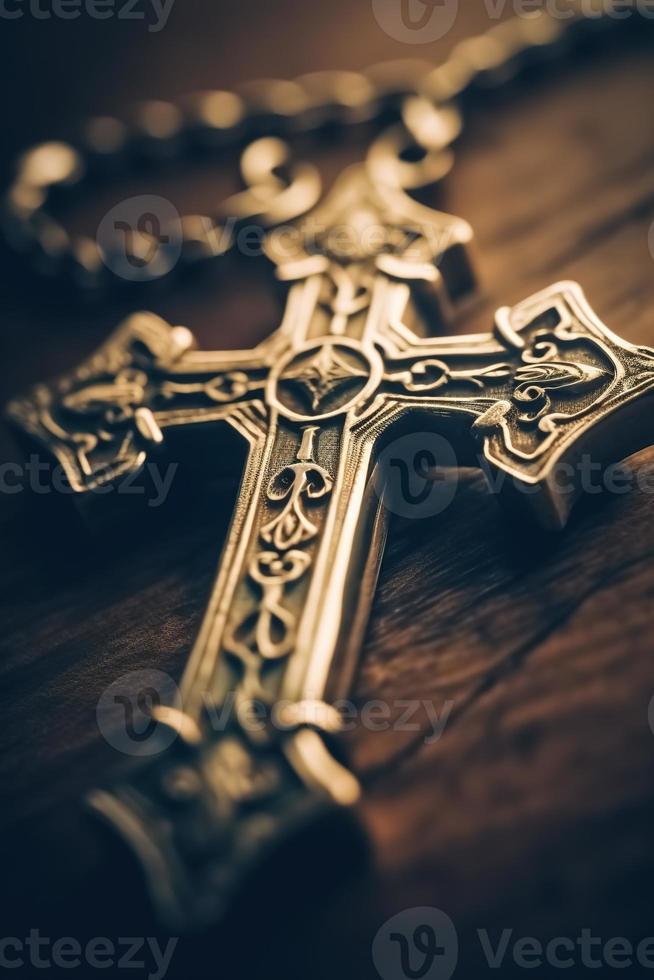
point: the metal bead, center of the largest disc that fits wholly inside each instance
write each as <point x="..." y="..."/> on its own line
<point x="432" y="127"/>
<point x="398" y="78"/>
<point x="388" y="161"/>
<point x="274" y="106"/>
<point x="341" y="97"/>
<point x="540" y="30"/>
<point x="214" y="118"/>
<point x="487" y="56"/>
<point x="105" y="140"/>
<point x="24" y="199"/>
<point x="268" y="198"/>
<point x="20" y="210"/>
<point x="532" y="40"/>
<point x="158" y="128"/>
<point x="49" y="164"/>
<point x="449" y="81"/>
<point x="52" y="246"/>
<point x="87" y="269"/>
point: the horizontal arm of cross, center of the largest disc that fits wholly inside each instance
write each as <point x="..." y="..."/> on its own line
<point x="550" y="384"/>
<point x="101" y="420"/>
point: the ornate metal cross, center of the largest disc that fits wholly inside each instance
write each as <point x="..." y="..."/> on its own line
<point x="345" y="372"/>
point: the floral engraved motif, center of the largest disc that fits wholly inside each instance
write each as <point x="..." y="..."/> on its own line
<point x="325" y="372"/>
<point x="361" y="237"/>
<point x="115" y="415"/>
<point x="267" y="633"/>
<point x="543" y="372"/>
<point x="295" y="483"/>
<point x="222" y="388"/>
<point x="274" y="629"/>
<point x="114" y="400"/>
<point x="345" y="293"/>
<point x="432" y="374"/>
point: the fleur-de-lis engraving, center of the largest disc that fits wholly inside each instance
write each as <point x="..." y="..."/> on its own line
<point x="118" y="412"/>
<point x="295" y="483"/>
<point x="116" y="400"/>
<point x="544" y="372"/>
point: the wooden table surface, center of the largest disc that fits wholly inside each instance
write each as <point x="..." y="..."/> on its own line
<point x="534" y="809"/>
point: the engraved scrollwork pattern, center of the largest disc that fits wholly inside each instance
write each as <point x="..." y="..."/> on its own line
<point x="431" y="374"/>
<point x="295" y="484"/>
<point x="543" y="371"/>
<point x="266" y="633"/>
<point x="223" y="388"/>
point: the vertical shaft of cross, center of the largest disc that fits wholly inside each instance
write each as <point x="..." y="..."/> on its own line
<point x="297" y="576"/>
<point x="250" y="628"/>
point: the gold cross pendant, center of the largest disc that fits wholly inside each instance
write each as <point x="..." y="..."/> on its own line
<point x="349" y="369"/>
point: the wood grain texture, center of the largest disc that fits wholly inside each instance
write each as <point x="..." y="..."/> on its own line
<point x="534" y="809"/>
